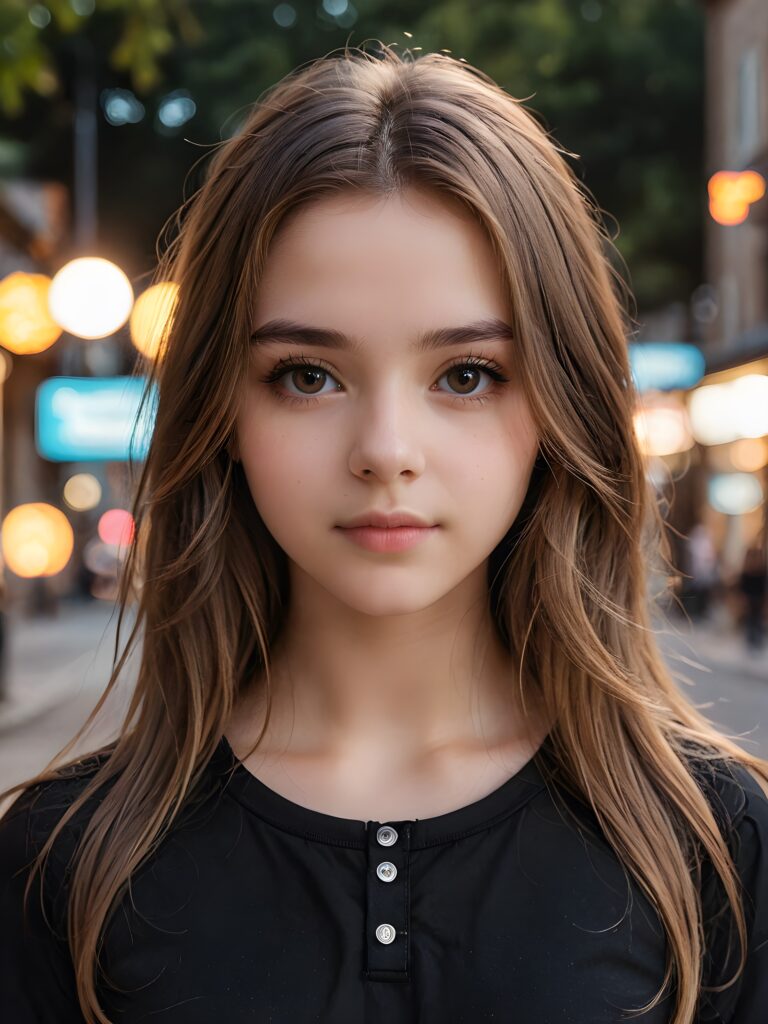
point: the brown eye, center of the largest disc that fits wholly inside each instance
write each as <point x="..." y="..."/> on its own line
<point x="308" y="377"/>
<point x="464" y="378"/>
<point x="307" y="374"/>
<point x="463" y="375"/>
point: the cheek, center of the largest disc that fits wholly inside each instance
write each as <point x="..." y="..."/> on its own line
<point x="520" y="433"/>
<point x="281" y="466"/>
<point x="524" y="441"/>
<point x="497" y="454"/>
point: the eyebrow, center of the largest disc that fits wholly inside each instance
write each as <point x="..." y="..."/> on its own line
<point x="288" y="332"/>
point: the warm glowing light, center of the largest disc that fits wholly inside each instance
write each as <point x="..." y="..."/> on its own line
<point x="749" y="454"/>
<point x="116" y="527"/>
<point x="151" y="317"/>
<point x="91" y="297"/>
<point x="26" y="325"/>
<point x="726" y="412"/>
<point x="731" y="193"/>
<point x="37" y="540"/>
<point x="662" y="428"/>
<point x="82" y="492"/>
<point x="735" y="494"/>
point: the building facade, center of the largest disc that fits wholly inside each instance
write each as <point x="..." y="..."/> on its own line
<point x="737" y="140"/>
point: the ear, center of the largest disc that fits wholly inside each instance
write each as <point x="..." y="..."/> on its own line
<point x="234" y="449"/>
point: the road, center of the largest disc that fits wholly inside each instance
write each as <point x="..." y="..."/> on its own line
<point x="730" y="688"/>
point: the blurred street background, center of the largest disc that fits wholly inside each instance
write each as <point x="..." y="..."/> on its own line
<point x="108" y="109"/>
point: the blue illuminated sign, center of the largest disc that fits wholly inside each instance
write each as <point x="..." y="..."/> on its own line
<point x="81" y="419"/>
<point x="665" y="365"/>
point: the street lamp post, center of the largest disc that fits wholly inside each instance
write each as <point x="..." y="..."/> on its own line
<point x="4" y="370"/>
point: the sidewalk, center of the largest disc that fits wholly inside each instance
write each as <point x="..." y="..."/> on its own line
<point x="716" y="644"/>
<point x="52" y="659"/>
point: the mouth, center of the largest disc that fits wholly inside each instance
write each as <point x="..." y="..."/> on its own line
<point x="387" y="538"/>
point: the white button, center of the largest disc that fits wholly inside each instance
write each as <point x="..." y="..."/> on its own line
<point x="385" y="933"/>
<point x="386" y="871"/>
<point x="387" y="836"/>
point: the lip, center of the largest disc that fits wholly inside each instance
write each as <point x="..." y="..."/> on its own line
<point x="386" y="539"/>
<point x="387" y="520"/>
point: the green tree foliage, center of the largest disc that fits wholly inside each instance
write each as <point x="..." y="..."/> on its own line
<point x="145" y="31"/>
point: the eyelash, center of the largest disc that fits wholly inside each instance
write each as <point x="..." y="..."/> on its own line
<point x="284" y="366"/>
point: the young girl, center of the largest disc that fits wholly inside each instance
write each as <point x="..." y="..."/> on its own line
<point x="402" y="747"/>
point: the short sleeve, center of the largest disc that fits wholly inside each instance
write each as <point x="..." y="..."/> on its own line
<point x="37" y="982"/>
<point x="746" y="1001"/>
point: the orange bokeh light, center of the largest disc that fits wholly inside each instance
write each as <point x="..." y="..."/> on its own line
<point x="731" y="193"/>
<point x="37" y="540"/>
<point x="26" y="325"/>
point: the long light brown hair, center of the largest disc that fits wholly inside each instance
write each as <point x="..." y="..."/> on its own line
<point x="568" y="587"/>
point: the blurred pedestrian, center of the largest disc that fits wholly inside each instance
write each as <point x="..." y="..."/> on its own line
<point x="702" y="568"/>
<point x="753" y="585"/>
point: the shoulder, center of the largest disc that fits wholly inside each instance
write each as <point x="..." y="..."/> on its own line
<point x="30" y="819"/>
<point x="42" y="803"/>
<point x="737" y="799"/>
<point x="746" y="807"/>
<point x="740" y="806"/>
<point x="37" y="979"/>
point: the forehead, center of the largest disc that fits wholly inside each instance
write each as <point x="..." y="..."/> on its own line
<point x="368" y="264"/>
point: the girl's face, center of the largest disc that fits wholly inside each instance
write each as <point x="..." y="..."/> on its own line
<point x="369" y="419"/>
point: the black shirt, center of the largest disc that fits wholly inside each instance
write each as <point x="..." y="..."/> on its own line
<point x="255" y="908"/>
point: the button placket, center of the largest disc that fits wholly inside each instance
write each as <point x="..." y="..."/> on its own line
<point x="388" y="901"/>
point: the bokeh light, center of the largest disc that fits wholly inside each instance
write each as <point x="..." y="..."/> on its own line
<point x="121" y="106"/>
<point x="151" y="316"/>
<point x="285" y="15"/>
<point x="82" y="492"/>
<point x="731" y="193"/>
<point x="176" y="109"/>
<point x="749" y="454"/>
<point x="662" y="428"/>
<point x="116" y="527"/>
<point x="37" y="540"/>
<point x="725" y="412"/>
<point x="90" y="297"/>
<point x="26" y="324"/>
<point x="735" y="494"/>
